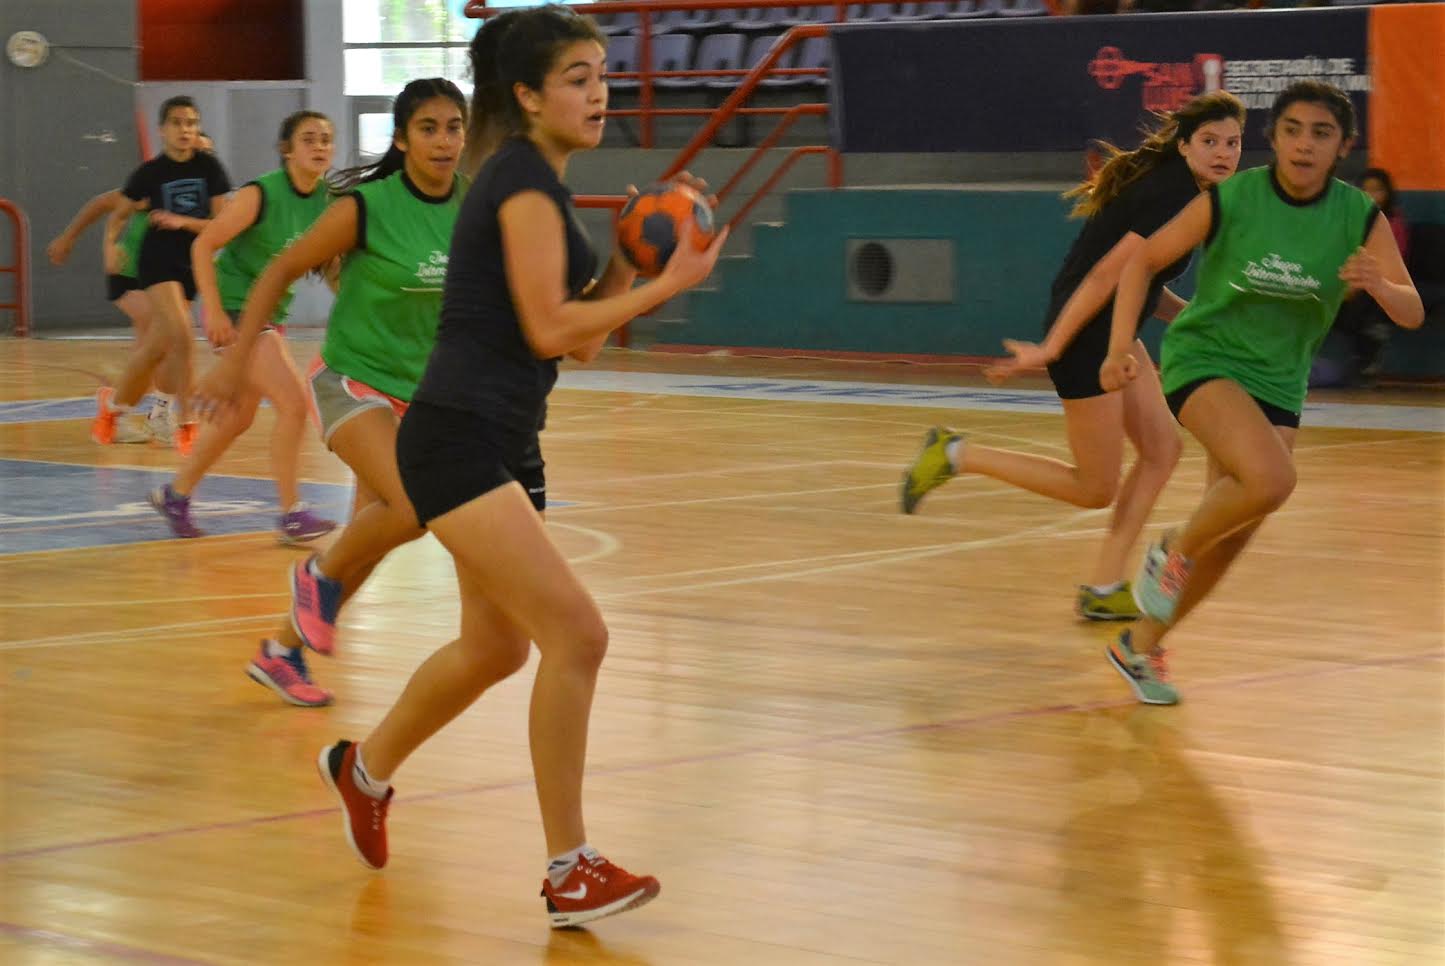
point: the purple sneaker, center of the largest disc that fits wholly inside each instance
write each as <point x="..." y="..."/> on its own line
<point x="300" y="525"/>
<point x="177" y="511"/>
<point x="315" y="605"/>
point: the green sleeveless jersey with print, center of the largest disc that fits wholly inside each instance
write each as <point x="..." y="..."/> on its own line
<point x="1269" y="287"/>
<point x="130" y="241"/>
<point x="384" y="323"/>
<point x="285" y="215"/>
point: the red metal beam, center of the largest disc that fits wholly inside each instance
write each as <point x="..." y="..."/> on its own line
<point x="20" y="268"/>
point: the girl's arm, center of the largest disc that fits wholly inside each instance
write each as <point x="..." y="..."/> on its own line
<point x="334" y="234"/>
<point x="1377" y="269"/>
<point x="1169" y="307"/>
<point x="93" y="210"/>
<point x="1186" y="231"/>
<point x="215" y="235"/>
<point x="534" y="247"/>
<point x="1089" y="297"/>
<point x="617" y="279"/>
<point x="175" y="222"/>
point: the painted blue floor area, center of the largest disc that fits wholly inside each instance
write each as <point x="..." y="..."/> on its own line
<point x="63" y="506"/>
<point x="58" y="506"/>
<point x="58" y="410"/>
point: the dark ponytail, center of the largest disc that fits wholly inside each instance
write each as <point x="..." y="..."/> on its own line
<point x="516" y="47"/>
<point x="412" y="96"/>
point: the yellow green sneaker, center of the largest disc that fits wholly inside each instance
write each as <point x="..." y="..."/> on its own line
<point x="931" y="467"/>
<point x="1116" y="606"/>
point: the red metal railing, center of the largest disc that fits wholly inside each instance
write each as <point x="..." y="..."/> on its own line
<point x="20" y="268"/>
<point x="731" y="107"/>
<point x="646" y="10"/>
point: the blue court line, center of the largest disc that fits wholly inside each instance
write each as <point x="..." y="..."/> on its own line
<point x="1424" y="419"/>
<point x="1420" y="419"/>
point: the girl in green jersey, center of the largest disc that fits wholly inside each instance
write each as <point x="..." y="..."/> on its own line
<point x="263" y="217"/>
<point x="1282" y="246"/>
<point x="391" y="227"/>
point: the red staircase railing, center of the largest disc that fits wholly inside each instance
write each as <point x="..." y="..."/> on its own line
<point x="20" y="267"/>
<point x="730" y="108"/>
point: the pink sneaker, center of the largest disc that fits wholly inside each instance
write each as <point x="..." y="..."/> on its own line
<point x="288" y="677"/>
<point x="315" y="604"/>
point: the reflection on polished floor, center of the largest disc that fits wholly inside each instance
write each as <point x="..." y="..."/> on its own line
<point x="835" y="733"/>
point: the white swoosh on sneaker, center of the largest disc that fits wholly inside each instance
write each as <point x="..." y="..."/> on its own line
<point x="578" y="893"/>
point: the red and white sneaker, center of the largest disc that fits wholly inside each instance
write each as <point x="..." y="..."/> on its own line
<point x="596" y="888"/>
<point x="365" y="816"/>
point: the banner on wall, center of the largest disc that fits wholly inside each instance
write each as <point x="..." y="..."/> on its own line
<point x="1056" y="83"/>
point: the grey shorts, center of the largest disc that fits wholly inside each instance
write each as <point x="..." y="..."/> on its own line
<point x="336" y="398"/>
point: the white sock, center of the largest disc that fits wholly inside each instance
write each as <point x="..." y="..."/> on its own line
<point x="560" y="865"/>
<point x="952" y="451"/>
<point x="274" y="648"/>
<point x="314" y="570"/>
<point x="376" y="789"/>
<point x="1104" y="590"/>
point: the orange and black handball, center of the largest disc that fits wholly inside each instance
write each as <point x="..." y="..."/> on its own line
<point x="649" y="225"/>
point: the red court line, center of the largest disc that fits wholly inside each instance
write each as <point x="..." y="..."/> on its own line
<point x="954" y="724"/>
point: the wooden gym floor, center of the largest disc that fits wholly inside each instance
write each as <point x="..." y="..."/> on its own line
<point x="836" y="734"/>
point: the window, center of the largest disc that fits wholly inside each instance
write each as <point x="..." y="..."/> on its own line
<point x="389" y="42"/>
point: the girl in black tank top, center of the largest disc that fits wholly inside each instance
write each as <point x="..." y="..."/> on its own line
<point x="1132" y="196"/>
<point x="519" y="295"/>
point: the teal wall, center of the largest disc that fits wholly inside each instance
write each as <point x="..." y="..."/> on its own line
<point x="792" y="292"/>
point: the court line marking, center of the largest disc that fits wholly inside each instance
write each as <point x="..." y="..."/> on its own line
<point x="130" y="602"/>
<point x="781" y="748"/>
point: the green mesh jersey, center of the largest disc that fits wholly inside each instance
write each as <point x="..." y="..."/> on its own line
<point x="1269" y="287"/>
<point x="130" y="239"/>
<point x="284" y="216"/>
<point x="384" y="323"/>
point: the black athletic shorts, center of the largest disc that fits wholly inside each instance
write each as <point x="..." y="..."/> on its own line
<point x="1076" y="372"/>
<point x="153" y="270"/>
<point x="118" y="285"/>
<point x="449" y="457"/>
<point x="1275" y="415"/>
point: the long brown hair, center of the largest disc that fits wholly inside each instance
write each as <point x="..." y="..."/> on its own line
<point x="1160" y="144"/>
<point x="516" y="47"/>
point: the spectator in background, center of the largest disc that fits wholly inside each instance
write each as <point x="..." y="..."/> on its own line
<point x="1361" y="321"/>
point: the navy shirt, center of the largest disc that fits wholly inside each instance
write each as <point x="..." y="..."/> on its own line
<point x="183" y="187"/>
<point x="482" y="362"/>
<point x="1142" y="208"/>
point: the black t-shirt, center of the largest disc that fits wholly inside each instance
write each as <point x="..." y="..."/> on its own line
<point x="482" y="362"/>
<point x="1142" y="208"/>
<point x="183" y="187"/>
